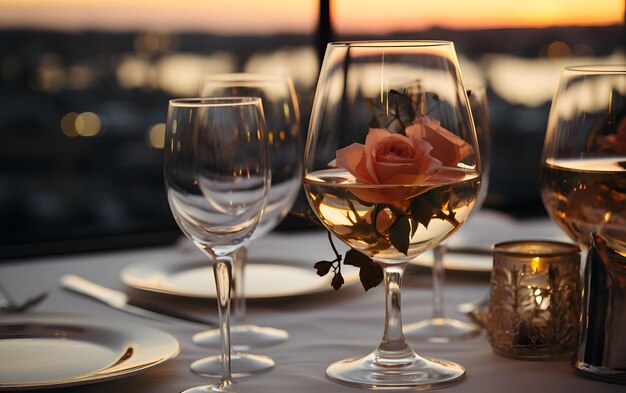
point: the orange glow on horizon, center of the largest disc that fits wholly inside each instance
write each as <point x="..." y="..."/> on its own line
<point x="375" y="16"/>
<point x="276" y="16"/>
<point x="217" y="16"/>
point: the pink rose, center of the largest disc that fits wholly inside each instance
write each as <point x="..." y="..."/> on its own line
<point x="388" y="158"/>
<point x="447" y="147"/>
<point x="615" y="142"/>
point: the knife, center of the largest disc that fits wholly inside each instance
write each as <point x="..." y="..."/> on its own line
<point x="121" y="301"/>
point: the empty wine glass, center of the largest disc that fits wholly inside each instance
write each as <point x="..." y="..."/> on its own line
<point x="391" y="168"/>
<point x="439" y="328"/>
<point x="217" y="178"/>
<point x="282" y="116"/>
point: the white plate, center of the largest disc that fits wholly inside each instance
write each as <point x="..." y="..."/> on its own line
<point x="460" y="262"/>
<point x="48" y="351"/>
<point x="192" y="276"/>
<point x="487" y="228"/>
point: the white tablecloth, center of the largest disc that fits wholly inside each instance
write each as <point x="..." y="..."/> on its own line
<point x="323" y="328"/>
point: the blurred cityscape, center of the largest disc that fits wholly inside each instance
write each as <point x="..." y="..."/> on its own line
<point x="82" y="118"/>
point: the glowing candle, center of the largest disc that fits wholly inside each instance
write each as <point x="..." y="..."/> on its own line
<point x="535" y="302"/>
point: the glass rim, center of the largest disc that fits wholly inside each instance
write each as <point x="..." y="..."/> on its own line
<point x="508" y="248"/>
<point x="201" y="102"/>
<point x="390" y="43"/>
<point x="599" y="69"/>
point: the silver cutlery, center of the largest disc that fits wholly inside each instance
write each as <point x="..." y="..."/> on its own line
<point x="477" y="311"/>
<point x="473" y="305"/>
<point x="124" y="302"/>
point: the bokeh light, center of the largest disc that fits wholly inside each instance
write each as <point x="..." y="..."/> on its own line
<point x="68" y="124"/>
<point x="88" y="124"/>
<point x="156" y="136"/>
<point x="558" y="50"/>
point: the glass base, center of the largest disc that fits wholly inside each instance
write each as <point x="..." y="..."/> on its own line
<point x="243" y="336"/>
<point x="600" y="373"/>
<point x="441" y="330"/>
<point x="220" y="388"/>
<point x="242" y="364"/>
<point x="412" y="372"/>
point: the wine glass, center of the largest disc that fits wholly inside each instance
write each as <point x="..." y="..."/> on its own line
<point x="392" y="169"/>
<point x="439" y="328"/>
<point x="583" y="174"/>
<point x="217" y="178"/>
<point x="282" y="116"/>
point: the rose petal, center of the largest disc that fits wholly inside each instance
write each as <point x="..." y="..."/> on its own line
<point x="448" y="174"/>
<point x="387" y="171"/>
<point x="398" y="148"/>
<point x="612" y="142"/>
<point x="384" y="219"/>
<point x="374" y="136"/>
<point x="349" y="157"/>
<point x="408" y="179"/>
<point x="447" y="147"/>
<point x="422" y="165"/>
<point x="363" y="171"/>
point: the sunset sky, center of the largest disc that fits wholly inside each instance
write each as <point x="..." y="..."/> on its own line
<point x="274" y="16"/>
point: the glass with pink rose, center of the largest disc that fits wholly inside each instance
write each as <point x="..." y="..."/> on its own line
<point x="392" y="169"/>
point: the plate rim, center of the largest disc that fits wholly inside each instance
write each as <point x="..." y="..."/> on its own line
<point x="170" y="350"/>
<point x="425" y="260"/>
<point x="350" y="278"/>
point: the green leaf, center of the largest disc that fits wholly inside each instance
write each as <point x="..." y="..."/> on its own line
<point x="421" y="211"/>
<point x="399" y="235"/>
<point x="357" y="259"/>
<point x="437" y="197"/>
<point x="370" y="273"/>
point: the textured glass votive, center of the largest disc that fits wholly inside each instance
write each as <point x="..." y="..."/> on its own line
<point x="535" y="299"/>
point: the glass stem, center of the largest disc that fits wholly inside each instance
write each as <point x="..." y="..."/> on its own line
<point x="393" y="347"/>
<point x="438" y="272"/>
<point x="239" y="296"/>
<point x="223" y="272"/>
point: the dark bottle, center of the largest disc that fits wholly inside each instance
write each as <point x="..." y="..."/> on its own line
<point x="602" y="344"/>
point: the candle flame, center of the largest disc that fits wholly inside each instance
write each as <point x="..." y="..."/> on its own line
<point x="535" y="263"/>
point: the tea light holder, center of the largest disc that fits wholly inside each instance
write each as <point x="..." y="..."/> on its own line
<point x="535" y="299"/>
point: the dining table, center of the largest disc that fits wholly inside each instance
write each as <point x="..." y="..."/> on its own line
<point x="324" y="324"/>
